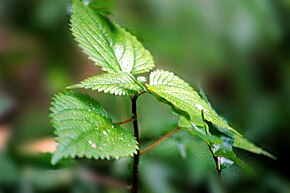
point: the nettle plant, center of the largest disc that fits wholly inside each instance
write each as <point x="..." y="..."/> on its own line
<point x="85" y="129"/>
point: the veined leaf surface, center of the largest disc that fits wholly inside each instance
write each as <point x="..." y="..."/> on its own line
<point x="121" y="83"/>
<point x="84" y="129"/>
<point x="177" y="92"/>
<point x="107" y="44"/>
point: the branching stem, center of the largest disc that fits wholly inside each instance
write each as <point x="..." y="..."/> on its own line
<point x="126" y="121"/>
<point x="159" y="141"/>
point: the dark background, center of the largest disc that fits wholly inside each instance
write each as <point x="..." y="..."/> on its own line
<point x="237" y="50"/>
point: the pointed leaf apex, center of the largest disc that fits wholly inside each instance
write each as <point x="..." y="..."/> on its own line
<point x="74" y="86"/>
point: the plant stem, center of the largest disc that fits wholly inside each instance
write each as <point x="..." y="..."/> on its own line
<point x="135" y="181"/>
<point x="159" y="141"/>
<point x="126" y="121"/>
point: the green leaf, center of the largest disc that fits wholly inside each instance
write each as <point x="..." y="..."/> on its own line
<point x="193" y="129"/>
<point x="116" y="83"/>
<point x="176" y="91"/>
<point x="108" y="45"/>
<point x="186" y="102"/>
<point x="242" y="143"/>
<point x="84" y="129"/>
<point x="227" y="156"/>
<point x="239" y="140"/>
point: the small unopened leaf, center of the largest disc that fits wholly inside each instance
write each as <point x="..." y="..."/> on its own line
<point x="228" y="157"/>
<point x="84" y="129"/>
<point x="121" y="83"/>
<point x="224" y="152"/>
<point x="107" y="44"/>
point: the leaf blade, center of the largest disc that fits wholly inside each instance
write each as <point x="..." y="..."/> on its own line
<point x="84" y="129"/>
<point x="239" y="141"/>
<point x="107" y="44"/>
<point x="183" y="98"/>
<point x="242" y="143"/>
<point x="114" y="83"/>
<point x="179" y="93"/>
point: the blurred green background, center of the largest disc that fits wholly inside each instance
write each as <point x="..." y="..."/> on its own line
<point x="239" y="51"/>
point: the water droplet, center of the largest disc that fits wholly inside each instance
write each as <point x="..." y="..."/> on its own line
<point x="105" y="133"/>
<point x="90" y="142"/>
<point x="141" y="79"/>
<point x="215" y="148"/>
<point x="199" y="106"/>
<point x="93" y="145"/>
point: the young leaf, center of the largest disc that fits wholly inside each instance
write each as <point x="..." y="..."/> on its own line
<point x="227" y="156"/>
<point x="115" y="83"/>
<point x="176" y="91"/>
<point x="84" y="129"/>
<point x="108" y="45"/>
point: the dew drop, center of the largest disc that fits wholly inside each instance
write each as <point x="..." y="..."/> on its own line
<point x="199" y="106"/>
<point x="93" y="145"/>
<point x="141" y="79"/>
<point x="105" y="133"/>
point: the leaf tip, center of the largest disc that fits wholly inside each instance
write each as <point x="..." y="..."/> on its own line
<point x="269" y="155"/>
<point x="54" y="159"/>
<point x="74" y="86"/>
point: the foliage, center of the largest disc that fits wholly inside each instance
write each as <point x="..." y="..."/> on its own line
<point x="84" y="128"/>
